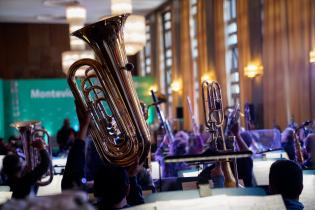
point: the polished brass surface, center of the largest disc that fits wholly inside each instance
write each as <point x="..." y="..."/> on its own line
<point x="214" y="120"/>
<point x="118" y="127"/>
<point x="29" y="133"/>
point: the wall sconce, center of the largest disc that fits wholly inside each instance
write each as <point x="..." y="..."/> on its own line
<point x="176" y="86"/>
<point x="154" y="88"/>
<point x="208" y="76"/>
<point x="253" y="70"/>
<point x="312" y="56"/>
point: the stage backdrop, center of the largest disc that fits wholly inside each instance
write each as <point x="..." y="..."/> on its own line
<point x="49" y="101"/>
<point x="1" y="110"/>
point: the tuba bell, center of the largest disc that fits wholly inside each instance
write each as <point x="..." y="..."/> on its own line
<point x="106" y="91"/>
<point x="28" y="134"/>
<point x="214" y="120"/>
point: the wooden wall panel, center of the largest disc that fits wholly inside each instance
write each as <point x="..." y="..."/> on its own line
<point x="32" y="50"/>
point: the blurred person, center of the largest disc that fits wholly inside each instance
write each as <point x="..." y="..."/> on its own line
<point x="13" y="144"/>
<point x="287" y="142"/>
<point x="3" y="147"/>
<point x="93" y="163"/>
<point x="65" y="136"/>
<point x="166" y="148"/>
<point x="75" y="177"/>
<point x="244" y="165"/>
<point x="286" y="179"/>
<point x="182" y="135"/>
<point x="20" y="178"/>
<point x="310" y="151"/>
<point x="195" y="144"/>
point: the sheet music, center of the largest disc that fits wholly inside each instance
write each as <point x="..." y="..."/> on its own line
<point x="149" y="206"/>
<point x="52" y="189"/>
<point x="222" y="202"/>
<point x="206" y="203"/>
<point x="307" y="196"/>
<point x="261" y="171"/>
<point x="4" y="196"/>
<point x="273" y="202"/>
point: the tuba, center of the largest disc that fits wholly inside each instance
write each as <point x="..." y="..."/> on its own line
<point x="214" y="120"/>
<point x="28" y="133"/>
<point x="106" y="91"/>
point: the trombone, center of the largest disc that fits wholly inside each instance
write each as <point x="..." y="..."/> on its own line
<point x="214" y="120"/>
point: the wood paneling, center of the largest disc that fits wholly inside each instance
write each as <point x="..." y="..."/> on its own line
<point x="32" y="50"/>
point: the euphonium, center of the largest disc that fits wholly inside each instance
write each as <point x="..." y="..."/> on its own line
<point x="28" y="133"/>
<point x="214" y="120"/>
<point x="106" y="91"/>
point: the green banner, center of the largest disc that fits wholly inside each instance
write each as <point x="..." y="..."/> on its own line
<point x="1" y="110"/>
<point x="49" y="101"/>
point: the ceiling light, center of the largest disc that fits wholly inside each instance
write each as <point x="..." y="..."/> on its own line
<point x="69" y="57"/>
<point x="134" y="29"/>
<point x="75" y="14"/>
<point x="134" y="34"/>
<point x="119" y="7"/>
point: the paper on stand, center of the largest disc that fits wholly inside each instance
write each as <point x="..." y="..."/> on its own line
<point x="222" y="202"/>
<point x="308" y="194"/>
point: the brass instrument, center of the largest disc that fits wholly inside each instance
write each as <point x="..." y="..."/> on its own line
<point x="106" y="91"/>
<point x="28" y="134"/>
<point x="193" y="118"/>
<point x="214" y="120"/>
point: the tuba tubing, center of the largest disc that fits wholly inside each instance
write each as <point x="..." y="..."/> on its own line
<point x="107" y="93"/>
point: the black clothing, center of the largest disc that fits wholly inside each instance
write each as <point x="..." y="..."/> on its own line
<point x="245" y="170"/>
<point x="135" y="194"/>
<point x="74" y="170"/>
<point x="63" y="137"/>
<point x="74" y="174"/>
<point x="21" y="187"/>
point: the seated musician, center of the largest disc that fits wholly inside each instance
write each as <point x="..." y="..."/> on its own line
<point x="74" y="174"/>
<point x="21" y="180"/>
<point x="287" y="142"/>
<point x="178" y="147"/>
<point x="93" y="162"/>
<point x="286" y="179"/>
<point x="244" y="165"/>
<point x="310" y="151"/>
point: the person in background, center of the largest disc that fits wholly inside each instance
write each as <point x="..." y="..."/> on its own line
<point x="310" y="151"/>
<point x="182" y="135"/>
<point x="178" y="147"/>
<point x="195" y="145"/>
<point x="19" y="177"/>
<point x="65" y="136"/>
<point x="3" y="148"/>
<point x="287" y="142"/>
<point x="125" y="190"/>
<point x="13" y="144"/>
<point x="286" y="179"/>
